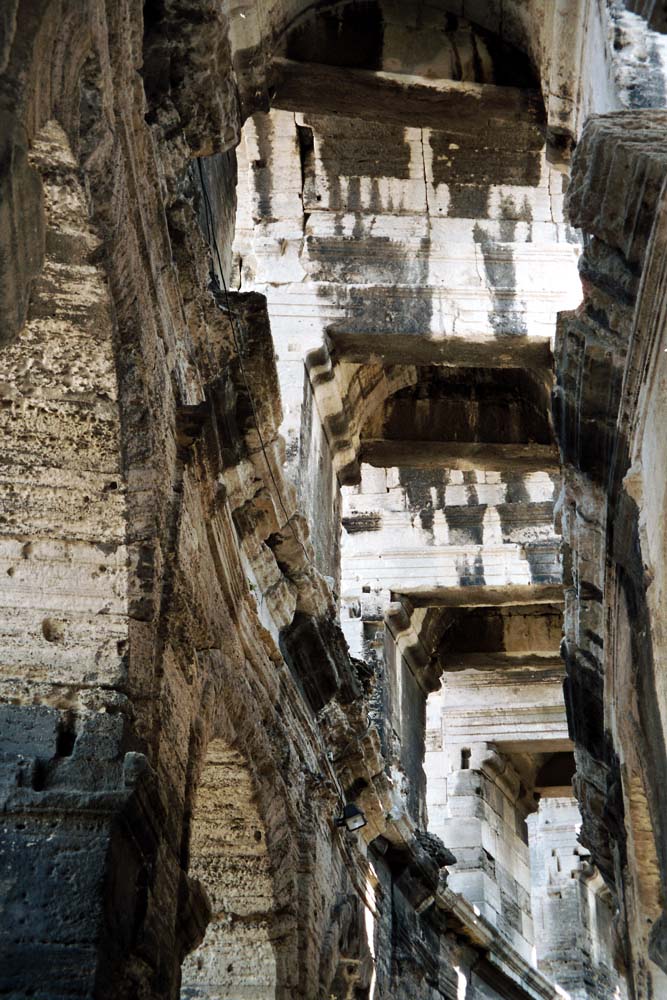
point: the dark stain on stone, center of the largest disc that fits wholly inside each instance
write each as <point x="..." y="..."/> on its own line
<point x="466" y="525"/>
<point x="307" y="160"/>
<point x="483" y="629"/>
<point x="261" y="167"/>
<point x="367" y="521"/>
<point x="589" y="592"/>
<point x="509" y="906"/>
<point x="468" y="201"/>
<point x="543" y="559"/>
<point x="419" y="484"/>
<point x="510" y="214"/>
<point x="501" y="279"/>
<point x="594" y="638"/>
<point x="470" y="481"/>
<point x="607" y="269"/>
<point x="403" y="306"/>
<point x="586" y="401"/>
<point x="351" y="35"/>
<point x="470" y="573"/>
<point x="515" y="491"/>
<point x="584" y="705"/>
<point x="216" y="213"/>
<point x="341" y="258"/>
<point x="467" y="405"/>
<point x="524" y="515"/>
<point x="353" y="148"/>
<point x="469" y="171"/>
<point x="354" y="194"/>
<point x="426" y="518"/>
<point x="375" y="203"/>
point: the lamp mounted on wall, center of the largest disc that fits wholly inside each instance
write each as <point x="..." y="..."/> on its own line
<point x="352" y="818"/>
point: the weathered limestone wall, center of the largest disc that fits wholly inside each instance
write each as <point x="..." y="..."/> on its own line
<point x="492" y="728"/>
<point x="228" y="852"/>
<point x="438" y="528"/>
<point x="143" y="538"/>
<point x="170" y="653"/>
<point x="65" y="628"/>
<point x="588" y="57"/>
<point x="333" y="197"/>
<point x="569" y="901"/>
<point x="476" y="811"/>
<point x="403" y="268"/>
<point x="181" y="720"/>
<point x="607" y="361"/>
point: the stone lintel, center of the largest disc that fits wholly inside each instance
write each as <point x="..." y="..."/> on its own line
<point x="466" y="109"/>
<point x="481" y="596"/>
<point x="464" y="456"/>
<point x="393" y="348"/>
<point x="506" y="661"/>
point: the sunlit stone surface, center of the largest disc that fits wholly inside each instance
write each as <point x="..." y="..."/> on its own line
<point x="332" y="500"/>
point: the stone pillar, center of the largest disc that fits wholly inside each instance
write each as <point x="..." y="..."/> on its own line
<point x="608" y="406"/>
<point x="571" y="912"/>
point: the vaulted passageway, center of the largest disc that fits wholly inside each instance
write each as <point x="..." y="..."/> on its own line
<point x="415" y="257"/>
<point x="403" y="214"/>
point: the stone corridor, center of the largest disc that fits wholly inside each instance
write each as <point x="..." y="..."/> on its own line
<point x="332" y="500"/>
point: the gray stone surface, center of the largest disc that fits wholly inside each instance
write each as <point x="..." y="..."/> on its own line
<point x="281" y="501"/>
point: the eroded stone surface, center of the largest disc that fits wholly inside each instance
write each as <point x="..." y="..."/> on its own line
<point x="253" y="412"/>
<point x="608" y="347"/>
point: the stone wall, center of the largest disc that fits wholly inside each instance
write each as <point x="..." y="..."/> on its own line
<point x="146" y="529"/>
<point x="210" y="368"/>
<point x="574" y="937"/>
<point x="605" y="354"/>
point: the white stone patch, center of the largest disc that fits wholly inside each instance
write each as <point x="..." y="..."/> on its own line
<point x="640" y="59"/>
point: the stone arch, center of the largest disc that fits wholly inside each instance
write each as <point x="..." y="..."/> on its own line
<point x="230" y="858"/>
<point x="429" y="40"/>
<point x="354" y="399"/>
<point x="140" y="690"/>
<point x="346" y="396"/>
<point x="86" y="382"/>
<point x="248" y="840"/>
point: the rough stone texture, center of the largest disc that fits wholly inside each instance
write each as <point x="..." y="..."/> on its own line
<point x="574" y="935"/>
<point x="181" y="719"/>
<point x="608" y="361"/>
<point x="142" y="533"/>
<point x="396" y="248"/>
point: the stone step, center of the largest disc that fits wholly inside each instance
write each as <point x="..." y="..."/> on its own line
<point x="475" y="525"/>
<point x="404" y="570"/>
<point x="301" y="313"/>
<point x="407" y="488"/>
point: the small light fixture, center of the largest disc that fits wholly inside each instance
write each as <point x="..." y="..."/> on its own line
<point x="352" y="818"/>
